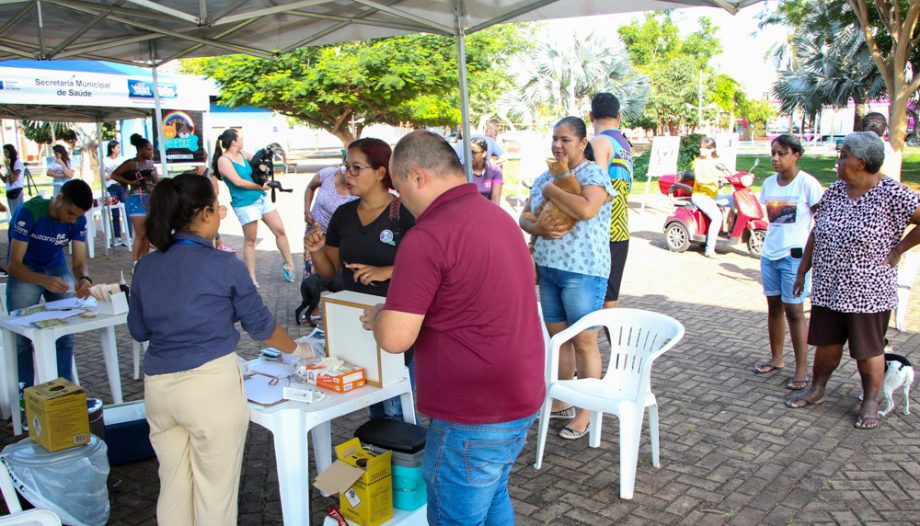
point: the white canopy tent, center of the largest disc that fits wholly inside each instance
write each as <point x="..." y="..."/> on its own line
<point x="150" y="32"/>
<point x="97" y="92"/>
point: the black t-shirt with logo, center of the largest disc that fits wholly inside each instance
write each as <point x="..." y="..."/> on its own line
<point x="372" y="244"/>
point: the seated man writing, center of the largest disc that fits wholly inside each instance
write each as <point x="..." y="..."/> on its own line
<point x="39" y="231"/>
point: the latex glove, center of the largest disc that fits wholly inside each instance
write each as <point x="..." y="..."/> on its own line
<point x="303" y="351"/>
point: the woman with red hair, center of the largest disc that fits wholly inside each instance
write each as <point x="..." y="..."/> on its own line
<point x="363" y="234"/>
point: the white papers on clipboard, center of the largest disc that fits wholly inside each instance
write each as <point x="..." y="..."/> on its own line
<point x="44" y="315"/>
<point x="271" y="368"/>
<point x="264" y="390"/>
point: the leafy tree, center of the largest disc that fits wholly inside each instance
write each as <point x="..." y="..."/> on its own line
<point x="561" y="74"/>
<point x="343" y="88"/>
<point x="891" y="36"/>
<point x="757" y="112"/>
<point x="40" y="131"/>
<point x="673" y="64"/>
<point x="832" y="66"/>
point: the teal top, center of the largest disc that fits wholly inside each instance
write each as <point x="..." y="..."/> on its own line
<point x="240" y="197"/>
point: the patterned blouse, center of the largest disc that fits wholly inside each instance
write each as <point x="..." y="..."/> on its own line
<point x="328" y="199"/>
<point x="852" y="240"/>
<point x="585" y="249"/>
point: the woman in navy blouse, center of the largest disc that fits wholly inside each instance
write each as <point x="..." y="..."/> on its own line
<point x="185" y="299"/>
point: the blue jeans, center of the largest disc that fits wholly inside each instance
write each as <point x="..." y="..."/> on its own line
<point x="466" y="468"/>
<point x="708" y="206"/>
<point x="392" y="407"/>
<point x="20" y="295"/>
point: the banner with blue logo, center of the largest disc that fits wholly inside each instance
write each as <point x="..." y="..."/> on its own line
<point x="19" y="85"/>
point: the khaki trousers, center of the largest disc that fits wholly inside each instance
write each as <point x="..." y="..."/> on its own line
<point x="198" y="423"/>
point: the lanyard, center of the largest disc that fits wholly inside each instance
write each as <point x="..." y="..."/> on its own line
<point x="186" y="242"/>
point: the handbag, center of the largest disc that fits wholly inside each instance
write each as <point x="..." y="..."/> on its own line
<point x="14" y="193"/>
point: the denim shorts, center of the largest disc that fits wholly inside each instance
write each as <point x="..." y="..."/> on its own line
<point x="249" y="213"/>
<point x="136" y="205"/>
<point x="568" y="296"/>
<point x="778" y="277"/>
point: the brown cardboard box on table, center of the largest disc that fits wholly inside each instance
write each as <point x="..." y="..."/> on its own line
<point x="347" y="340"/>
<point x="364" y="482"/>
<point x="56" y="414"/>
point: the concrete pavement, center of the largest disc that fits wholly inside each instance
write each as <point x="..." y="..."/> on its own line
<point x="731" y="452"/>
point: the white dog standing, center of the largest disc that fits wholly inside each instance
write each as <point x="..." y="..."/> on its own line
<point x="898" y="373"/>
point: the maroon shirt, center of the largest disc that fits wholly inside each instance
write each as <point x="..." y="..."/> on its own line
<point x="479" y="356"/>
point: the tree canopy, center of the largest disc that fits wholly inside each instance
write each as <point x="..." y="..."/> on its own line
<point x="890" y="38"/>
<point x="673" y="63"/>
<point x="561" y="74"/>
<point x="345" y="87"/>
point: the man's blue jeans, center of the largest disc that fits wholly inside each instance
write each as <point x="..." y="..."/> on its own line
<point x="391" y="408"/>
<point x="20" y="295"/>
<point x="466" y="468"/>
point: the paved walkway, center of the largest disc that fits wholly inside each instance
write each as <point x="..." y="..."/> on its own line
<point x="731" y="453"/>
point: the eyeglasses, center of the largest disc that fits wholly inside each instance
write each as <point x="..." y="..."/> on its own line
<point x="221" y="211"/>
<point x="356" y="168"/>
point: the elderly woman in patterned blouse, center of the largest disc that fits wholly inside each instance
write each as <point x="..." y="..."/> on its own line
<point x="854" y="250"/>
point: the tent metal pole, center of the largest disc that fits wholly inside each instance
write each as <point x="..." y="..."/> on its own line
<point x="464" y="90"/>
<point x="106" y="207"/>
<point x="158" y="124"/>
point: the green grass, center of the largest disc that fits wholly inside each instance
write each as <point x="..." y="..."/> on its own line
<point x="820" y="166"/>
<point x="823" y="168"/>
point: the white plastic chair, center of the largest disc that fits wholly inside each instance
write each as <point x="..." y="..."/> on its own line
<point x="637" y="337"/>
<point x="17" y="517"/>
<point x="31" y="518"/>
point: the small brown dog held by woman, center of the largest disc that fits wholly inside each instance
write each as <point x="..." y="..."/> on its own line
<point x="853" y="252"/>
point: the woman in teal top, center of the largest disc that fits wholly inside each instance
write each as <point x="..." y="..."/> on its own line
<point x="231" y="164"/>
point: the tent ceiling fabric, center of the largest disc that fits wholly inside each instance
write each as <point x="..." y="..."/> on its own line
<point x="51" y="113"/>
<point x="154" y="31"/>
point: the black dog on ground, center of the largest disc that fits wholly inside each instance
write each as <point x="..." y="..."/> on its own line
<point x="311" y="292"/>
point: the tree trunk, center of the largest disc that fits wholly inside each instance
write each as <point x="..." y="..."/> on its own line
<point x="858" y="115"/>
<point x="344" y="135"/>
<point x="897" y="122"/>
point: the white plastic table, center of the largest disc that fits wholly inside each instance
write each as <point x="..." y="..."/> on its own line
<point x="45" y="352"/>
<point x="290" y="422"/>
<point x="106" y="227"/>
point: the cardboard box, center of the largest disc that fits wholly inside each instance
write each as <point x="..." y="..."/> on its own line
<point x="364" y="482"/>
<point x="346" y="338"/>
<point x="56" y="413"/>
<point x="338" y="381"/>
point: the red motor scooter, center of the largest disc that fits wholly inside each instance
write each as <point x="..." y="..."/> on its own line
<point x="742" y="220"/>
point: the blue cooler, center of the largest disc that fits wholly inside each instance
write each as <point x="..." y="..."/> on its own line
<point x="127" y="433"/>
<point x="407" y="442"/>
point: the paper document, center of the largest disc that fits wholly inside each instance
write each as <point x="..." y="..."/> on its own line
<point x="29" y="319"/>
<point x="70" y="303"/>
<point x="264" y="390"/>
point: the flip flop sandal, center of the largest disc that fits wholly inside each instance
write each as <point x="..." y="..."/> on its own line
<point x="867" y="423"/>
<point x="798" y="403"/>
<point x="797" y="385"/>
<point x="288" y="275"/>
<point x="564" y="414"/>
<point x="765" y="367"/>
<point x="571" y="434"/>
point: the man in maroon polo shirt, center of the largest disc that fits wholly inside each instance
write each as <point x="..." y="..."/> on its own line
<point x="463" y="292"/>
